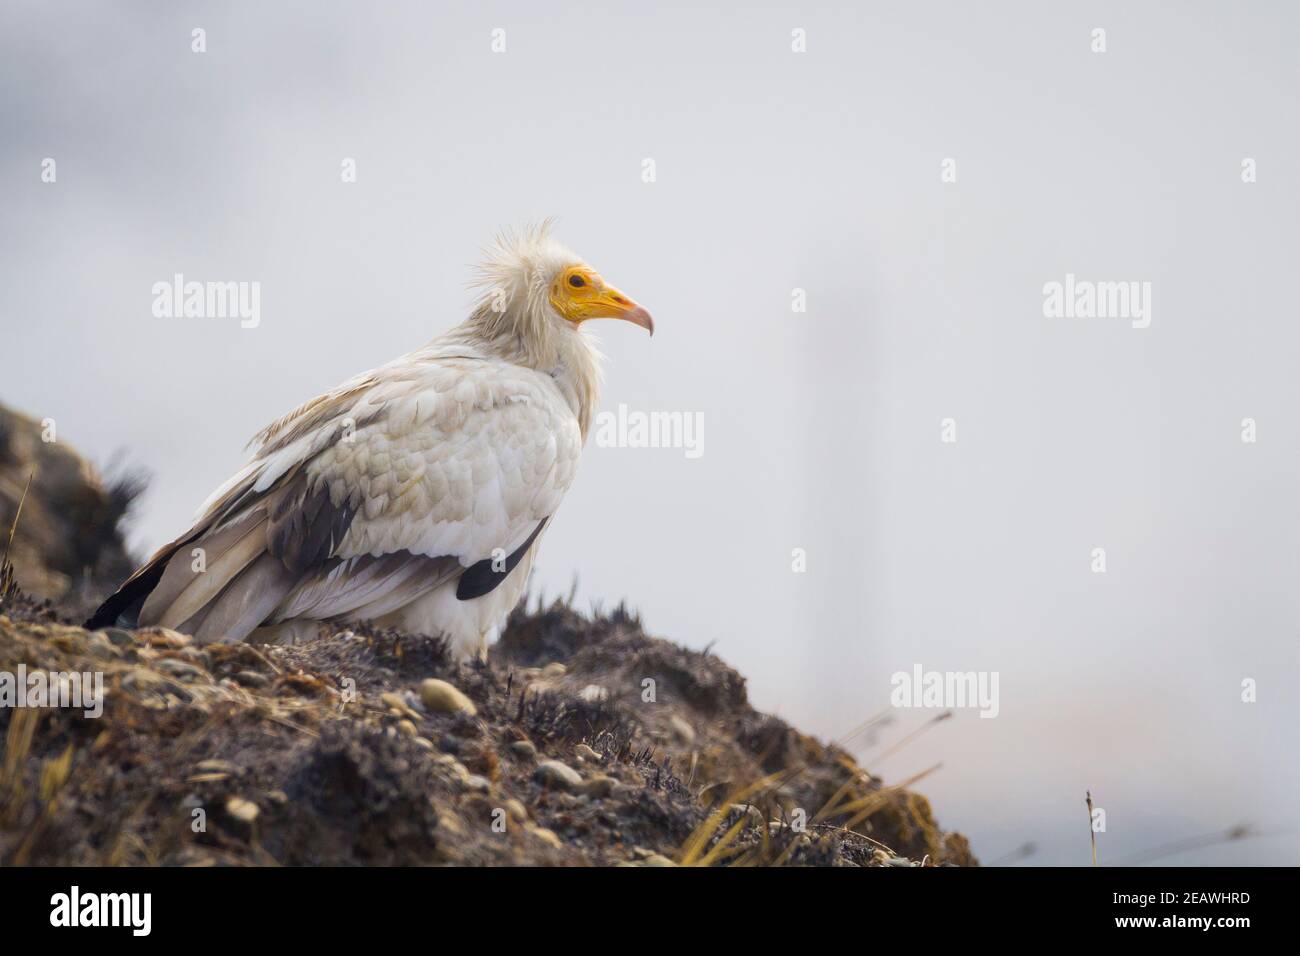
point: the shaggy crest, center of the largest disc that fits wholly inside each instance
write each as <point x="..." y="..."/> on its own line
<point x="514" y="312"/>
<point x="517" y="270"/>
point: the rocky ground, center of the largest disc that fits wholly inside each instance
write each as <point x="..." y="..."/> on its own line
<point x="581" y="740"/>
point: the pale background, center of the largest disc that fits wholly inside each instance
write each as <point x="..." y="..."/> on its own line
<point x="775" y="170"/>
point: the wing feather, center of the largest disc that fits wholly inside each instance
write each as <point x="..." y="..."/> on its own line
<point x="246" y="601"/>
<point x="373" y="494"/>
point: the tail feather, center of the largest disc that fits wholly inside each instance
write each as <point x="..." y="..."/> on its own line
<point x="246" y="602"/>
<point x="188" y="584"/>
<point x="268" y="564"/>
<point x="122" y="607"/>
<point x="125" y="606"/>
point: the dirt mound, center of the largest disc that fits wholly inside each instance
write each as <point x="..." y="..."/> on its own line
<point x="581" y="741"/>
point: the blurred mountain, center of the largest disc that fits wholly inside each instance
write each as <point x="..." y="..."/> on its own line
<point x="68" y="547"/>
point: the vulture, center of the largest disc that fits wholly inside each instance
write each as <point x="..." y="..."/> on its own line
<point x="414" y="495"/>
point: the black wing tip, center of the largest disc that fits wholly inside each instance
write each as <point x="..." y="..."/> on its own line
<point x="481" y="578"/>
<point x="109" y="614"/>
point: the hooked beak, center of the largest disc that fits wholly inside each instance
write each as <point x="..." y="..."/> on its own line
<point x="613" y="304"/>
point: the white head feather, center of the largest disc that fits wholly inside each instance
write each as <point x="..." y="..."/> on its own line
<point x="515" y="319"/>
<point x="515" y="277"/>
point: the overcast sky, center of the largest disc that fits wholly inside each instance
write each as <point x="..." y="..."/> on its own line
<point x="774" y="171"/>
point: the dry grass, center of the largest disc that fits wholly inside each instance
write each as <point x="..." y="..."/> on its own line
<point x="8" y="586"/>
<point x="890" y="751"/>
<point x="850" y="807"/>
<point x="1092" y="829"/>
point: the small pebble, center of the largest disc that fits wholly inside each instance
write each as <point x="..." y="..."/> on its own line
<point x="598" y="786"/>
<point x="558" y="775"/>
<point x="451" y="824"/>
<point x="395" y="702"/>
<point x="441" y="697"/>
<point x="681" y="729"/>
<point x="458" y="769"/>
<point x="593" y="693"/>
<point x="142" y="680"/>
<point x="525" y="749"/>
<point x="170" y="637"/>
<point x="99" y="646"/>
<point x="245" y="811"/>
<point x="546" y="836"/>
<point x="217" y="766"/>
<point x="118" y="636"/>
<point x="583" y="752"/>
<point x="181" y="670"/>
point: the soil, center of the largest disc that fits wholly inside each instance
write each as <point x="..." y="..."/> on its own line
<point x="589" y="743"/>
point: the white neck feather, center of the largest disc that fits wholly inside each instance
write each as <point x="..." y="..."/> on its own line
<point x="514" y="319"/>
<point x="564" y="352"/>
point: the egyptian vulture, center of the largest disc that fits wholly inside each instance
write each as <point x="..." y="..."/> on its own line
<point x="413" y="495"/>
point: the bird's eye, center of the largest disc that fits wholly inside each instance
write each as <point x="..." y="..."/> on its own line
<point x="577" y="281"/>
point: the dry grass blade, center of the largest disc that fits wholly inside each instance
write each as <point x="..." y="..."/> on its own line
<point x="54" y="774"/>
<point x="1092" y="830"/>
<point x="856" y="776"/>
<point x="18" y="743"/>
<point x="693" y="849"/>
<point x="871" y="803"/>
<point x="861" y="836"/>
<point x="8" y="586"/>
<point x="830" y="805"/>
<point x="286" y="722"/>
<point x="890" y="751"/>
<point x="720" y="849"/>
<point x="877" y="719"/>
<point x="863" y="805"/>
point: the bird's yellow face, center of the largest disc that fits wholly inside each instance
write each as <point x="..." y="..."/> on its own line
<point x="579" y="293"/>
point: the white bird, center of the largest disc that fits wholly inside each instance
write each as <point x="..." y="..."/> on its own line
<point x="413" y="495"/>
